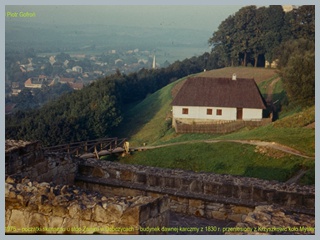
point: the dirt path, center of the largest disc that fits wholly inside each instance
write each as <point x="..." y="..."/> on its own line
<point x="311" y="125"/>
<point x="273" y="145"/>
<point x="270" y="89"/>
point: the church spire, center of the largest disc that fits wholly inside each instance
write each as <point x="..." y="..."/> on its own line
<point x="154" y="62"/>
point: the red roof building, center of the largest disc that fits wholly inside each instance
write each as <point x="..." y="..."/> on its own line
<point x="203" y="99"/>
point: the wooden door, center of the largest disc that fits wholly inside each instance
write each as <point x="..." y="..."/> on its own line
<point x="239" y="113"/>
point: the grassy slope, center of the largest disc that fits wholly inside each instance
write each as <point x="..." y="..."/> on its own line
<point x="149" y="122"/>
<point x="222" y="158"/>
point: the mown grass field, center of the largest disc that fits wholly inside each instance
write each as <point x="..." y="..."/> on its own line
<point x="149" y="122"/>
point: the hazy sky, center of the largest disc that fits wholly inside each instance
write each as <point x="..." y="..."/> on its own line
<point x="192" y="17"/>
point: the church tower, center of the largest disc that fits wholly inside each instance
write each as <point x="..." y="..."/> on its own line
<point x="154" y="62"/>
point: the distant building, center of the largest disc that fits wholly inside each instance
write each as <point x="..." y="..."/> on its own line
<point x="77" y="69"/>
<point x="142" y="61"/>
<point x="288" y="8"/>
<point x="30" y="69"/>
<point x="23" y="69"/>
<point x="52" y="60"/>
<point x="118" y="62"/>
<point x="274" y="64"/>
<point x="42" y="78"/>
<point x="33" y="83"/>
<point x="64" y="80"/>
<point x="76" y="86"/>
<point x="86" y="75"/>
<point x="98" y="72"/>
<point x="65" y="63"/>
<point x="79" y="56"/>
<point x="15" y="91"/>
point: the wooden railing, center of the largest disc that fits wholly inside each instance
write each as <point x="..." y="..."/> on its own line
<point x="90" y="146"/>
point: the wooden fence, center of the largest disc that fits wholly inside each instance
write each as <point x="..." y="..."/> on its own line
<point x="218" y="127"/>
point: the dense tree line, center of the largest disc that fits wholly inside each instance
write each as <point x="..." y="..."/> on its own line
<point x="94" y="111"/>
<point x="252" y="35"/>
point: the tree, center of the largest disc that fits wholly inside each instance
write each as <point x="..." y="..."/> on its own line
<point x="222" y="42"/>
<point x="304" y="22"/>
<point x="274" y="23"/>
<point x="286" y="49"/>
<point x="297" y="69"/>
<point x="256" y="42"/>
<point x="299" y="78"/>
<point x="244" y="31"/>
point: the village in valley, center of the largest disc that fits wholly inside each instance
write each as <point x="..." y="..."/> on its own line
<point x="36" y="71"/>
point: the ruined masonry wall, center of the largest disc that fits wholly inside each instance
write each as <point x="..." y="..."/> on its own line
<point x="201" y="194"/>
<point x="153" y="191"/>
<point x="27" y="159"/>
<point x="45" y="208"/>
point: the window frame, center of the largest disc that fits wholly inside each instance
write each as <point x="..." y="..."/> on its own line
<point x="185" y="111"/>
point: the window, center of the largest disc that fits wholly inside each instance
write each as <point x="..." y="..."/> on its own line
<point x="209" y="111"/>
<point x="219" y="112"/>
<point x="185" y="110"/>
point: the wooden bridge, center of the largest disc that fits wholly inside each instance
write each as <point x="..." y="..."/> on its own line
<point x="93" y="148"/>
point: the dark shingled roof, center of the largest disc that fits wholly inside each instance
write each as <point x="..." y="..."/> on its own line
<point x="219" y="92"/>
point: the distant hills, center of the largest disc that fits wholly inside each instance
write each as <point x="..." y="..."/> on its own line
<point x="44" y="38"/>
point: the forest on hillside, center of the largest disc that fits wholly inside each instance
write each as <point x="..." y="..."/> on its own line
<point x="242" y="39"/>
<point x="94" y="111"/>
<point x="253" y="35"/>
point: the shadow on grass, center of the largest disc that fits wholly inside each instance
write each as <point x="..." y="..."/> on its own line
<point x="271" y="173"/>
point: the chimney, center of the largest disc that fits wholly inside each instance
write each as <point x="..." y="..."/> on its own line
<point x="234" y="77"/>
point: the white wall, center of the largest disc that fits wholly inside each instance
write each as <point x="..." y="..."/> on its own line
<point x="227" y="113"/>
<point x="201" y="113"/>
<point x="252" y="114"/>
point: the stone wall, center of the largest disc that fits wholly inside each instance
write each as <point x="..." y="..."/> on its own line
<point x="29" y="160"/>
<point x="43" y="208"/>
<point x="21" y="155"/>
<point x="270" y="220"/>
<point x="201" y="194"/>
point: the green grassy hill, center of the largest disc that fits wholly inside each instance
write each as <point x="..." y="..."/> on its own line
<point x="149" y="122"/>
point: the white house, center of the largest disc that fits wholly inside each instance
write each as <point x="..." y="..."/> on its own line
<point x="33" y="83"/>
<point x="77" y="69"/>
<point x="203" y="99"/>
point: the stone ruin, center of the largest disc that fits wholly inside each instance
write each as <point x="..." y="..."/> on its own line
<point x="54" y="193"/>
<point x="44" y="208"/>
